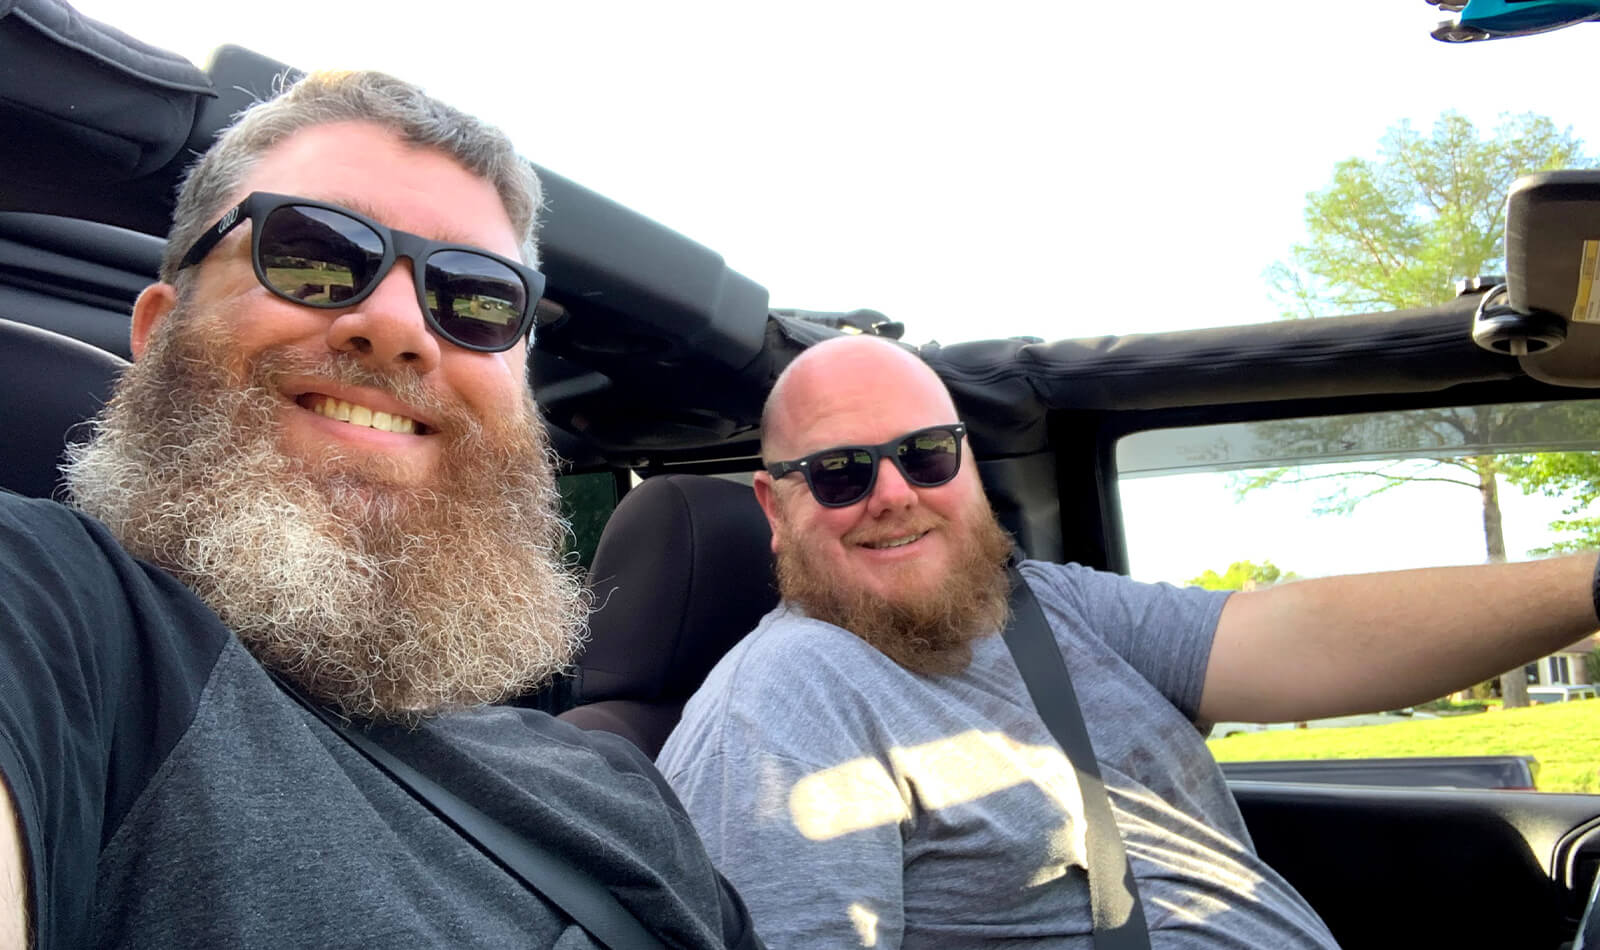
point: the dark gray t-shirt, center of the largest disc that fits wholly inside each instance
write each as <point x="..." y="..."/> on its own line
<point x="171" y="795"/>
<point x="856" y="804"/>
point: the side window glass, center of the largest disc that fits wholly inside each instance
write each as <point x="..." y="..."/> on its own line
<point x="587" y="501"/>
<point x="1247" y="505"/>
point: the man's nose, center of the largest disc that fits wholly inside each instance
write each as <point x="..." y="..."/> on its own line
<point x="891" y="490"/>
<point x="387" y="329"/>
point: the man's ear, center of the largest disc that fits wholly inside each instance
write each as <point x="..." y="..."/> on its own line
<point x="153" y="305"/>
<point x="766" y="494"/>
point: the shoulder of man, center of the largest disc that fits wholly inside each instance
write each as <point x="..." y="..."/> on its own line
<point x="50" y="553"/>
<point x="1069" y="586"/>
<point x="1068" y="573"/>
<point x="1162" y="630"/>
<point x="1085" y="588"/>
<point x="626" y="794"/>
<point x="42" y="524"/>
<point x="66" y="552"/>
<point x="786" y="642"/>
<point x="794" y="687"/>
<point x="620" y="755"/>
<point x="106" y="656"/>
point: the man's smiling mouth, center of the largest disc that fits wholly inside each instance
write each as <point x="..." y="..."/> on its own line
<point x="899" y="542"/>
<point x="359" y="415"/>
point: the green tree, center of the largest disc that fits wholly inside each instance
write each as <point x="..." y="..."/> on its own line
<point x="1243" y="575"/>
<point x="1395" y="233"/>
<point x="587" y="501"/>
<point x="1573" y="477"/>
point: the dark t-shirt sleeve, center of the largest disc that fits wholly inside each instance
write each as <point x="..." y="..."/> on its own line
<point x="102" y="659"/>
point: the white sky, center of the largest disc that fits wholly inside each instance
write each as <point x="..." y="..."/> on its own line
<point x="975" y="171"/>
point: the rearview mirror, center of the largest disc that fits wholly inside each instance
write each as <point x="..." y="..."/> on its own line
<point x="1553" y="269"/>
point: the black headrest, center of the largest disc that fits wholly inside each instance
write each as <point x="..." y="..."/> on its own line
<point x="48" y="384"/>
<point x="682" y="572"/>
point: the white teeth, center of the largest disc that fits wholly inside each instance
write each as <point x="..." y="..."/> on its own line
<point x="362" y="416"/>
<point x="898" y="543"/>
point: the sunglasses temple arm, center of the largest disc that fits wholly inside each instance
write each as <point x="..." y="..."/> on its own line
<point x="229" y="220"/>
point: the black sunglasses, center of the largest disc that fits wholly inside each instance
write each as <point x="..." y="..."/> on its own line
<point x="840" y="477"/>
<point x="322" y="255"/>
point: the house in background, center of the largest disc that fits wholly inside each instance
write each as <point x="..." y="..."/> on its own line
<point x="1566" y="667"/>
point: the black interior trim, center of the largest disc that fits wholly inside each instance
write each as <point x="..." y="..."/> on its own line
<point x="1487" y="855"/>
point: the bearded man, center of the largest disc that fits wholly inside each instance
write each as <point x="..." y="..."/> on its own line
<point x="869" y="769"/>
<point x="324" y="465"/>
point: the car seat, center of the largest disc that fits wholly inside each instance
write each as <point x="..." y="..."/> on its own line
<point x="683" y="570"/>
<point x="49" y="383"/>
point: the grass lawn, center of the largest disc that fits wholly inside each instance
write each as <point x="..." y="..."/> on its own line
<point x="1564" y="737"/>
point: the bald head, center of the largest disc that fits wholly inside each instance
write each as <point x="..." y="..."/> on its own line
<point x="842" y="376"/>
<point x="912" y="561"/>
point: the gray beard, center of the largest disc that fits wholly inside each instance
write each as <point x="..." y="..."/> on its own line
<point x="932" y="634"/>
<point x="387" y="601"/>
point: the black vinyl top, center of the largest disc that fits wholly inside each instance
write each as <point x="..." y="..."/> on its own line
<point x="648" y="346"/>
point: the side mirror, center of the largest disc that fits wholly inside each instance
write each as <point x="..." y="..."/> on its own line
<point x="1499" y="19"/>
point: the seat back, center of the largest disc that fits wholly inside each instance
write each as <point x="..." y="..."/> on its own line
<point x="682" y="572"/>
<point x="49" y="383"/>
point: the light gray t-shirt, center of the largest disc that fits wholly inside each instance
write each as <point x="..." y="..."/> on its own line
<point x="854" y="803"/>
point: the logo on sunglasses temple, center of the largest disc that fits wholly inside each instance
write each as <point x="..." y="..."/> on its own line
<point x="228" y="218"/>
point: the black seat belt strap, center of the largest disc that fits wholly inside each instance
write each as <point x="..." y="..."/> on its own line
<point x="1118" y="918"/>
<point x="589" y="904"/>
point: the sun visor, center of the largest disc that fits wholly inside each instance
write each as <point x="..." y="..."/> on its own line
<point x="82" y="101"/>
<point x="627" y="295"/>
<point x="1553" y="274"/>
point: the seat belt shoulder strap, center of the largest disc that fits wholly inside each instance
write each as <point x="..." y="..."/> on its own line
<point x="578" y="895"/>
<point x="1114" y="899"/>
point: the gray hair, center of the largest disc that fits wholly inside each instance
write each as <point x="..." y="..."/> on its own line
<point x="324" y="97"/>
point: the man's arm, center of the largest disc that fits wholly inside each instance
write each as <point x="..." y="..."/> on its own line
<point x="1365" y="642"/>
<point x="13" y="886"/>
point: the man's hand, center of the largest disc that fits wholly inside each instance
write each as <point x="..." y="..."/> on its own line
<point x="13" y="890"/>
<point x="1366" y="642"/>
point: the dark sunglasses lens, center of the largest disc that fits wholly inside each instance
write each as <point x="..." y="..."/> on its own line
<point x="841" y="477"/>
<point x="317" y="256"/>
<point x="477" y="300"/>
<point x="930" y="457"/>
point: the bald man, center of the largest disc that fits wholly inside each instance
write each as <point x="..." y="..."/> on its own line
<point x="868" y="768"/>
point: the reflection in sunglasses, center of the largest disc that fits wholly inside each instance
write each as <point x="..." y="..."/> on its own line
<point x="842" y="476"/>
<point x="322" y="255"/>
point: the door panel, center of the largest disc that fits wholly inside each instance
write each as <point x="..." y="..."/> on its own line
<point x="1392" y="867"/>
